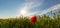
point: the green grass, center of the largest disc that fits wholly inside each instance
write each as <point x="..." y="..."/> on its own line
<point x="42" y="22"/>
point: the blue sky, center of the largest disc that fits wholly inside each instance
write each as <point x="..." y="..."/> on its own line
<point x="12" y="8"/>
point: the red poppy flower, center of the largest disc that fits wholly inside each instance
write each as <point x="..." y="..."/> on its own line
<point x="33" y="19"/>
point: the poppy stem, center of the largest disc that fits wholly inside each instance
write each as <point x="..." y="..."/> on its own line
<point x="34" y="25"/>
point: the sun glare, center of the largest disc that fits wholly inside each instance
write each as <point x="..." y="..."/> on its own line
<point x="23" y="12"/>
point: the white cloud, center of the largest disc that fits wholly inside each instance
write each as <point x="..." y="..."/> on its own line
<point x="35" y="3"/>
<point x="53" y="8"/>
<point x="31" y="4"/>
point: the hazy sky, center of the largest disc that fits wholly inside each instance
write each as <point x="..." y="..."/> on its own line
<point x="12" y="8"/>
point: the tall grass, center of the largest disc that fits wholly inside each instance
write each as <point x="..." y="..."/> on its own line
<point x="42" y="22"/>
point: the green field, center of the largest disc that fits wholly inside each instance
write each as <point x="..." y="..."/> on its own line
<point x="42" y="22"/>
